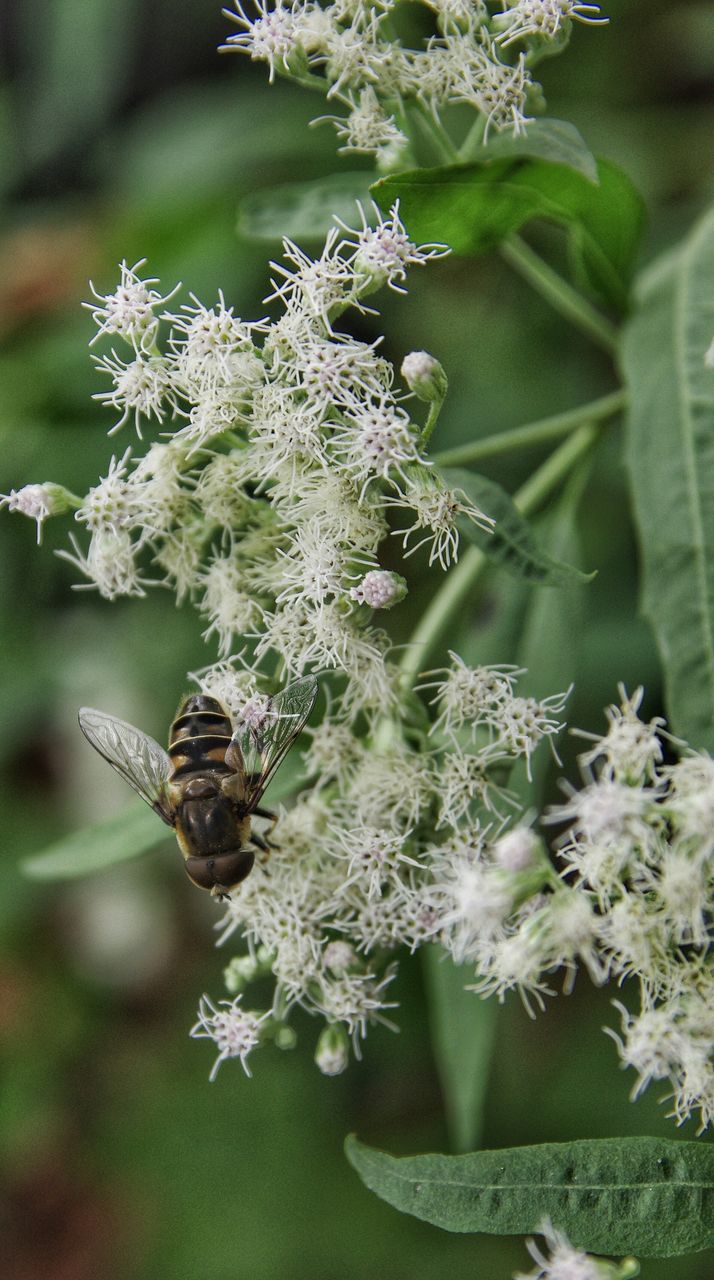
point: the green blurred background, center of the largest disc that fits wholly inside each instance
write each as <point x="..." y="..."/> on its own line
<point x="125" y="135"/>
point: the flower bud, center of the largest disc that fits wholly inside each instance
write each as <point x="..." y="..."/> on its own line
<point x="240" y="971"/>
<point x="340" y="957"/>
<point x="285" y="1038"/>
<point x="380" y="589"/>
<point x="333" y="1051"/>
<point x="425" y="376"/>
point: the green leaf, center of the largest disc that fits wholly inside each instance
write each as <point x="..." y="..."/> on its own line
<point x="94" y="848"/>
<point x="555" y="140"/>
<point x="303" y="211"/>
<point x="462" y="1032"/>
<point x="512" y="542"/>
<point x="652" y="1197"/>
<point x="670" y="457"/>
<point x="474" y="207"/>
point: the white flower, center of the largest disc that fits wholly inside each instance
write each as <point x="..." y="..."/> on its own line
<point x="368" y="128"/>
<point x="496" y="89"/>
<point x="524" y="722"/>
<point x="271" y="37"/>
<point x="109" y="563"/>
<point x="630" y="751"/>
<point x="229" y="608"/>
<point x="314" y="567"/>
<point x="317" y="285"/>
<point x="374" y="856"/>
<point x="382" y="253"/>
<point x="142" y="387"/>
<point x="234" y="1031"/>
<point x="355" y="999"/>
<point x="129" y="311"/>
<point x="213" y="348"/>
<point x="469" y="695"/>
<point x="39" y="502"/>
<point x="376" y="438"/>
<point x="652" y="1044"/>
<point x="436" y="508"/>
<point x="112" y="504"/>
<point x="541" y="18"/>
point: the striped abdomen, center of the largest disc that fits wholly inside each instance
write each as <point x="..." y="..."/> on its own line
<point x="199" y="737"/>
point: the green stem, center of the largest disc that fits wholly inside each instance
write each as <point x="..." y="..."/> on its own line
<point x="561" y="295"/>
<point x="447" y="602"/>
<point x="473" y="142"/>
<point x="437" y="134"/>
<point x="533" y="433"/>
<point x="432" y="419"/>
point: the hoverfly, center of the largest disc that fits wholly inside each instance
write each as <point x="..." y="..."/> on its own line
<point x="211" y="780"/>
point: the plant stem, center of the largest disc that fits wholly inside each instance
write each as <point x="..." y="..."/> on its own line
<point x="473" y="142"/>
<point x="437" y="134"/>
<point x="561" y="295"/>
<point x="533" y="433"/>
<point x="432" y="419"/>
<point x="451" y="597"/>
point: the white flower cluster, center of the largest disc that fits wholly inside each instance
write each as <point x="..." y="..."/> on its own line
<point x="634" y="899"/>
<point x="353" y="52"/>
<point x="393" y="845"/>
<point x="285" y="443"/>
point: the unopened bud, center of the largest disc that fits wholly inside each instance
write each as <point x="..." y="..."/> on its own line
<point x="240" y="971"/>
<point x="380" y="589"/>
<point x="425" y="376"/>
<point x="339" y="957"/>
<point x="516" y="850"/>
<point x="285" y="1038"/>
<point x="333" y="1051"/>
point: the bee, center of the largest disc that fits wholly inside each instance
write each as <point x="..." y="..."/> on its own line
<point x="210" y="783"/>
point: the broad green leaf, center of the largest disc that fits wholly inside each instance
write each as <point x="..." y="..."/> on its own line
<point x="94" y="848"/>
<point x="512" y="542"/>
<point x="462" y="1033"/>
<point x="670" y="457"/>
<point x="555" y="140"/>
<point x="303" y="211"/>
<point x="653" y="1197"/>
<point x="474" y="207"/>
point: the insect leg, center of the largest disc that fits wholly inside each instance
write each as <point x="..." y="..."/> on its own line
<point x="273" y="818"/>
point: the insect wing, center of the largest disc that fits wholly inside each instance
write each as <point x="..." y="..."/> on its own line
<point x="258" y="751"/>
<point x="137" y="757"/>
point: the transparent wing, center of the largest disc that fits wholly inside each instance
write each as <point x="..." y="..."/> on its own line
<point x="137" y="757"/>
<point x="257" y="749"/>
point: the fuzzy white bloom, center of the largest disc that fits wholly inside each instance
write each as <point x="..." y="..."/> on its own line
<point x="368" y="128"/>
<point x="543" y="19"/>
<point x="129" y="312"/>
<point x="630" y="751"/>
<point x="271" y="37"/>
<point x="437" y="508"/>
<point x="39" y="502"/>
<point x="142" y="389"/>
<point x="382" y="253"/>
<point x="234" y="1031"/>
